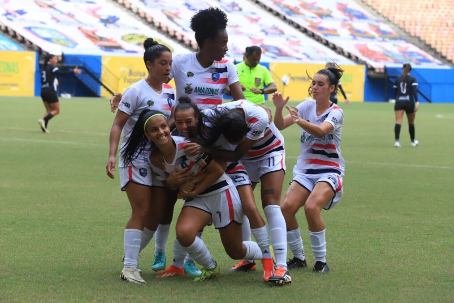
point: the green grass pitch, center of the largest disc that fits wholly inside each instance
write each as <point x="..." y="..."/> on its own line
<point x="62" y="219"/>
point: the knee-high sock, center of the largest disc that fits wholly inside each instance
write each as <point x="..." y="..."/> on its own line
<point x="147" y="235"/>
<point x="263" y="240"/>
<point x="178" y="254"/>
<point x="199" y="252"/>
<point x="397" y="131"/>
<point x="295" y="243"/>
<point x="253" y="251"/>
<point x="47" y="118"/>
<point x="162" y="234"/>
<point x="188" y="258"/>
<point x="132" y="240"/>
<point x="318" y="244"/>
<point x="411" y="130"/>
<point x="278" y="233"/>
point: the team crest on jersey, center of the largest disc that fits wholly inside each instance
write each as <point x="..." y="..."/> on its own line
<point x="188" y="89"/>
<point x="150" y="103"/>
<point x="143" y="172"/>
<point x="190" y="74"/>
<point x="258" y="81"/>
<point x="215" y="77"/>
<point x="170" y="102"/>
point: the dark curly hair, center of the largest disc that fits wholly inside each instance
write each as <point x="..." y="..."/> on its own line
<point x="207" y="23"/>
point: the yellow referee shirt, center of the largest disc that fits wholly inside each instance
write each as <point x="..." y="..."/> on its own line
<point x="256" y="77"/>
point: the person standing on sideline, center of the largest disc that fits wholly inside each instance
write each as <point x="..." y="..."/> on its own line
<point x="254" y="76"/>
<point x="406" y="88"/>
<point x="49" y="85"/>
<point x="333" y="96"/>
<point x="318" y="173"/>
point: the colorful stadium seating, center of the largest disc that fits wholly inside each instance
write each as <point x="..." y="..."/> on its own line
<point x="430" y="21"/>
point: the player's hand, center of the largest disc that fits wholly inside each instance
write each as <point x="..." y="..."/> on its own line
<point x="416" y="106"/>
<point x="156" y="159"/>
<point x="115" y="101"/>
<point x="110" y="167"/>
<point x="268" y="111"/>
<point x="177" y="177"/>
<point x="293" y="113"/>
<point x="243" y="88"/>
<point x="279" y="100"/>
<point x="256" y="91"/>
<point x="77" y="70"/>
<point x="347" y="101"/>
<point x="185" y="195"/>
<point x="192" y="149"/>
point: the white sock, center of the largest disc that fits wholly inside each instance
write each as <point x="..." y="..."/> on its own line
<point x="188" y="258"/>
<point x="178" y="254"/>
<point x="263" y="240"/>
<point x="318" y="244"/>
<point x="253" y="251"/>
<point x="246" y="228"/>
<point x="147" y="235"/>
<point x="295" y="242"/>
<point x="133" y="238"/>
<point x="162" y="234"/>
<point x="278" y="229"/>
<point x="199" y="252"/>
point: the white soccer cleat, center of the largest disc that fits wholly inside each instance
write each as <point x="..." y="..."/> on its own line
<point x="397" y="144"/>
<point x="132" y="274"/>
<point x="43" y="126"/>
<point x="414" y="143"/>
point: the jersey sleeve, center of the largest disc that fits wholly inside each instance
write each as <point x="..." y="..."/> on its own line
<point x="129" y="102"/>
<point x="301" y="109"/>
<point x="335" y="118"/>
<point x="414" y="88"/>
<point x="233" y="74"/>
<point x="267" y="79"/>
<point x="258" y="126"/>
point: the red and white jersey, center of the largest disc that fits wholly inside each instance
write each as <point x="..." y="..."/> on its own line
<point x="320" y="155"/>
<point x="205" y="86"/>
<point x="268" y="137"/>
<point x="138" y="97"/>
<point x="196" y="166"/>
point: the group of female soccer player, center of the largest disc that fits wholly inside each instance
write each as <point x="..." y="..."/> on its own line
<point x="212" y="155"/>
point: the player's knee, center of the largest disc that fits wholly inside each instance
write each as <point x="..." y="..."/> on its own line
<point x="236" y="252"/>
<point x="311" y="210"/>
<point x="184" y="235"/>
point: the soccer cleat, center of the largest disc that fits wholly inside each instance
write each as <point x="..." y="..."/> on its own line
<point x="191" y="269"/>
<point x="42" y="123"/>
<point x="243" y="266"/>
<point x="138" y="268"/>
<point x="397" y="144"/>
<point x="268" y="269"/>
<point x="172" y="271"/>
<point x="296" y="263"/>
<point x="414" y="143"/>
<point x="159" y="262"/>
<point x="280" y="277"/>
<point x="321" y="268"/>
<point x="209" y="273"/>
<point x="132" y="274"/>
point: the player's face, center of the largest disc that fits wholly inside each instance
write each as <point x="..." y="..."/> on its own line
<point x="218" y="47"/>
<point x="253" y="60"/>
<point x="157" y="130"/>
<point x="320" y="87"/>
<point x="160" y="68"/>
<point x="53" y="60"/>
<point x="185" y="119"/>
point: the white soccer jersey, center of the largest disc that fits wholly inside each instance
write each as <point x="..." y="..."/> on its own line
<point x="196" y="165"/>
<point x="205" y="86"/>
<point x="141" y="96"/>
<point x="320" y="155"/>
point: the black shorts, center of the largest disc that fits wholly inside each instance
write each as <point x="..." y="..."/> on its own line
<point x="49" y="95"/>
<point x="408" y="107"/>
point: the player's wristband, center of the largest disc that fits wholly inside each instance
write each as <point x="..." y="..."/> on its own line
<point x="263" y="91"/>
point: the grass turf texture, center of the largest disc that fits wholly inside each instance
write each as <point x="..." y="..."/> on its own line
<point x="62" y="218"/>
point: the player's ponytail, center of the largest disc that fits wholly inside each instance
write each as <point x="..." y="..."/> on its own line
<point x="406" y="69"/>
<point x="137" y="141"/>
<point x="333" y="72"/>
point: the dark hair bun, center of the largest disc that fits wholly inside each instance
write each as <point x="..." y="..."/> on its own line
<point x="149" y="42"/>
<point x="184" y="99"/>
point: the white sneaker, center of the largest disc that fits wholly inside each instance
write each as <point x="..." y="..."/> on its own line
<point x="132" y="274"/>
<point x="414" y="143"/>
<point x="397" y="144"/>
<point x="43" y="126"/>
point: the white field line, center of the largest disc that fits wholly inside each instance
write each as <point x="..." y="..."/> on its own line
<point x="444" y="117"/>
<point x="54" y="142"/>
<point x="390" y="164"/>
<point x="54" y="131"/>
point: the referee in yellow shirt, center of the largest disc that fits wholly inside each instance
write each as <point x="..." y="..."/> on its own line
<point x="254" y="77"/>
